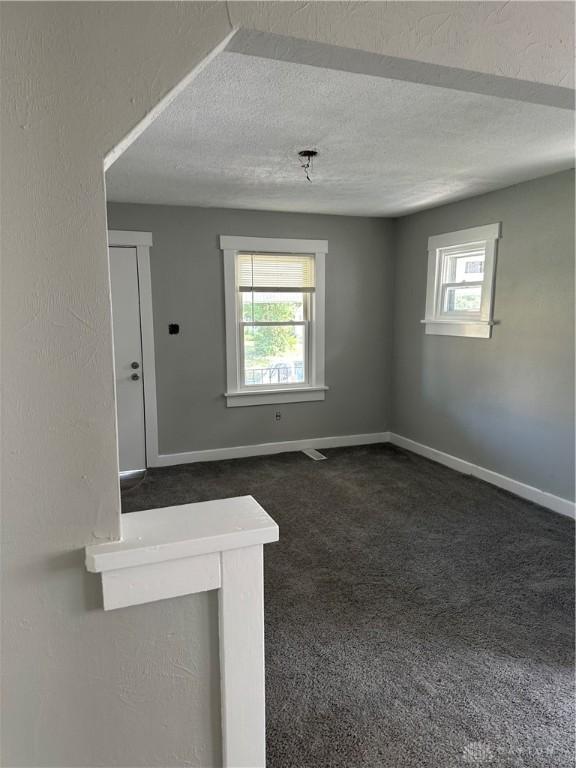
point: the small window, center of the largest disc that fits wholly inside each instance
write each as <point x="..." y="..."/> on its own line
<point x="459" y="293"/>
<point x="274" y="320"/>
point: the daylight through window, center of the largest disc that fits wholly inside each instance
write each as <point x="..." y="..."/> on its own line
<point x="275" y="320"/>
<point x="275" y="303"/>
<point x="460" y="286"/>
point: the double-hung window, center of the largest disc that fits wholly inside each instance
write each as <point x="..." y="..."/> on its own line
<point x="460" y="288"/>
<point x="274" y="292"/>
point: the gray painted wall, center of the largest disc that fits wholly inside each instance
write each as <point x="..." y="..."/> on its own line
<point x="188" y="288"/>
<point x="505" y="403"/>
<point x="126" y="688"/>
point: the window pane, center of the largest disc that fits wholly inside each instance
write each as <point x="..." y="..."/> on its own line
<point x="274" y="355"/>
<point x="474" y="267"/>
<point x="258" y="307"/>
<point x="465" y="269"/>
<point x="463" y="298"/>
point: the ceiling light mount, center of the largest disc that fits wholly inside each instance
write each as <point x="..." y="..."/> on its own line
<point x="307" y="161"/>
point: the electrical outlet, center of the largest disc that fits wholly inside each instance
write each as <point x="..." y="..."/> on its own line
<point x="278" y="415"/>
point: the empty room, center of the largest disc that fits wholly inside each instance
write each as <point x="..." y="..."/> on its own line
<point x="289" y="432"/>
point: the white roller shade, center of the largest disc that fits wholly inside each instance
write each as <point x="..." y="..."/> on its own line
<point x="275" y="272"/>
<point x="466" y="250"/>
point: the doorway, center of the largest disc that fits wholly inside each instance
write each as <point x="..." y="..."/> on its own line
<point x="134" y="367"/>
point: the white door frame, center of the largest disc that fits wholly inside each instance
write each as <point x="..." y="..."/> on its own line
<point x="142" y="242"/>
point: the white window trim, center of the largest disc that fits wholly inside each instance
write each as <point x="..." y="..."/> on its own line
<point x="477" y="325"/>
<point x="316" y="390"/>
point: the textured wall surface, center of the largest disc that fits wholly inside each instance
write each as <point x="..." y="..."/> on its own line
<point x="188" y="288"/>
<point x="81" y="687"/>
<point x="135" y="687"/>
<point x="505" y="403"/>
<point x="525" y="40"/>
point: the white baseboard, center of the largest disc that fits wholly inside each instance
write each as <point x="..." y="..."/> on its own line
<point x="545" y="499"/>
<point x="264" y="449"/>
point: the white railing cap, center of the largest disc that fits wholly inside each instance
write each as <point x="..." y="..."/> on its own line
<point x="169" y="533"/>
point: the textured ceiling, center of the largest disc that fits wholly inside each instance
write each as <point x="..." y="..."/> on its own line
<point x="386" y="147"/>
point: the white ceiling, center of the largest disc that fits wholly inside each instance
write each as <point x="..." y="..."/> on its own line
<point x="386" y="147"/>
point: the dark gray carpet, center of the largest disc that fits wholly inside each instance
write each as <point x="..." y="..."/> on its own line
<point x="415" y="617"/>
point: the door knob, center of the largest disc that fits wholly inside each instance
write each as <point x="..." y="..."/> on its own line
<point x="134" y="364"/>
<point x="134" y="377"/>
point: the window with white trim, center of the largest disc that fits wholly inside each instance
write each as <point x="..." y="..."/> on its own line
<point x="274" y="293"/>
<point x="460" y="287"/>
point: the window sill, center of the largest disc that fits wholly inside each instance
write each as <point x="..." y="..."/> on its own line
<point x="274" y="396"/>
<point x="480" y="329"/>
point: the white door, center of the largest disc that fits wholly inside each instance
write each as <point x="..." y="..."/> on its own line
<point x="128" y="358"/>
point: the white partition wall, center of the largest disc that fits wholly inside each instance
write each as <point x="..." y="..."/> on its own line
<point x="193" y="548"/>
